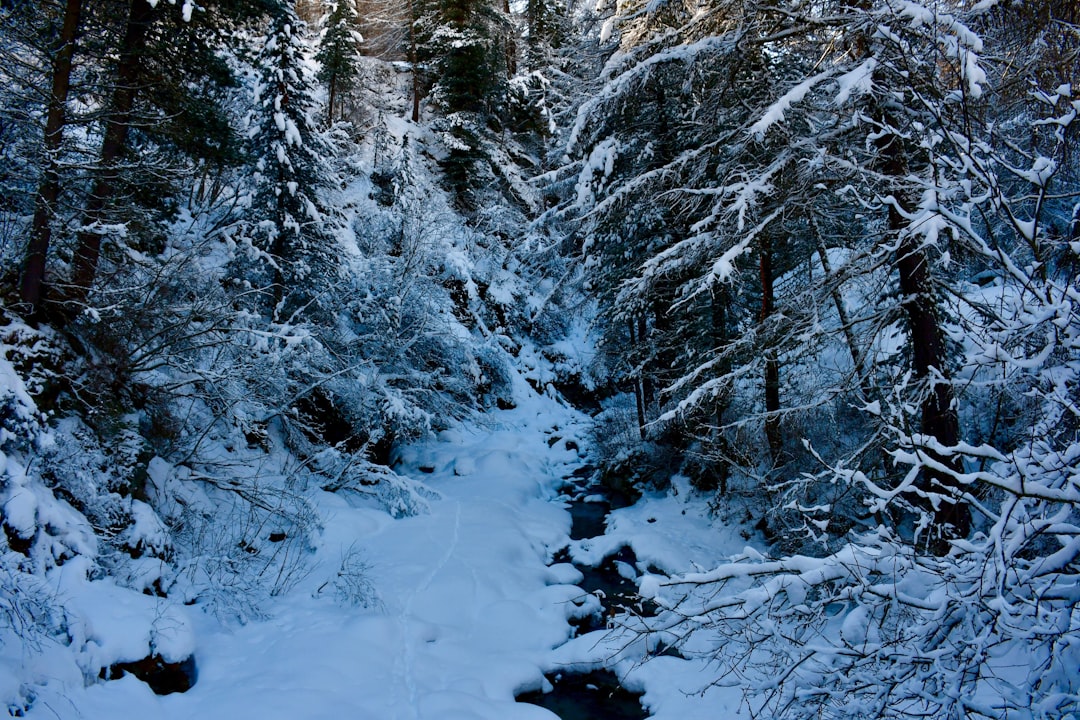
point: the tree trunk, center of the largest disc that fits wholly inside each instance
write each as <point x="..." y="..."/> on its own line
<point x="511" y="43"/>
<point x="330" y="102"/>
<point x="639" y="390"/>
<point x="772" y="365"/>
<point x="938" y="412"/>
<point x="117" y="126"/>
<point x="414" y="62"/>
<point x="845" y="320"/>
<point x="648" y="389"/>
<point x="37" y="249"/>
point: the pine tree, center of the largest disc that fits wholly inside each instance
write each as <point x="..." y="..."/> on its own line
<point x="162" y="97"/>
<point x="37" y="249"/>
<point x="891" y="188"/>
<point x="696" y="180"/>
<point x="290" y="156"/>
<point x="467" y="44"/>
<point x="118" y="122"/>
<point x="338" y="54"/>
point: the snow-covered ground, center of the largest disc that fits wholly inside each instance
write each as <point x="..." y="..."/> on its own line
<point x="458" y="610"/>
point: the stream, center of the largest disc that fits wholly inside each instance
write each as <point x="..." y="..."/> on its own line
<point x="595" y="695"/>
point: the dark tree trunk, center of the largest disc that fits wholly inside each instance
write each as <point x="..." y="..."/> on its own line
<point x="117" y="126"/>
<point x="413" y="17"/>
<point x="772" y="365"/>
<point x="330" y="102"/>
<point x="639" y="390"/>
<point x="37" y="250"/>
<point x="648" y="390"/>
<point x="929" y="363"/>
<point x="511" y="44"/>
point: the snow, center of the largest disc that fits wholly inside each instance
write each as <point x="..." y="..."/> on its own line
<point x="435" y="598"/>
<point x="461" y="623"/>
<point x="856" y="82"/>
<point x="649" y="586"/>
<point x="20" y="505"/>
<point x="20" y="408"/>
<point x="776" y="112"/>
<point x="601" y="161"/>
<point x="147" y="532"/>
<point x="460" y="609"/>
<point x="667" y="532"/>
<point x="607" y="28"/>
<point x="111" y="624"/>
<point x="639" y="73"/>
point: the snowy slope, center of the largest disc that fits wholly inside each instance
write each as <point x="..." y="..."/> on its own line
<point x="464" y="615"/>
<point x="454" y="611"/>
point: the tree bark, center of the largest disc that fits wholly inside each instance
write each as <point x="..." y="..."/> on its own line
<point x="639" y="390"/>
<point x="772" y="365"/>
<point x="648" y="388"/>
<point x="511" y="43"/>
<point x="938" y="419"/>
<point x="330" y="102"/>
<point x="413" y="18"/>
<point x="37" y="249"/>
<point x="117" y="127"/>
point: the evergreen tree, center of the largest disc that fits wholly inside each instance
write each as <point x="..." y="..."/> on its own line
<point x="118" y="122"/>
<point x="37" y="249"/>
<point x="143" y="47"/>
<point x="888" y="214"/>
<point x="709" y="198"/>
<point x="338" y="54"/>
<point x="467" y="45"/>
<point x="545" y="22"/>
<point x="290" y="157"/>
<point x="660" y="122"/>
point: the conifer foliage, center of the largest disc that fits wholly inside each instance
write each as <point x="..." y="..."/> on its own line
<point x="830" y="253"/>
<point x="339" y="53"/>
<point x="290" y="154"/>
<point x="208" y="316"/>
<point x="468" y="45"/>
<point x="834" y="245"/>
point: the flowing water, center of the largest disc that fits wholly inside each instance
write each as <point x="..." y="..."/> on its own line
<point x="595" y="695"/>
<point x="588" y="696"/>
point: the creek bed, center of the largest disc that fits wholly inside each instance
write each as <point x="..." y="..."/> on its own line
<point x="614" y="583"/>
<point x="588" y="696"/>
<point x="597" y="694"/>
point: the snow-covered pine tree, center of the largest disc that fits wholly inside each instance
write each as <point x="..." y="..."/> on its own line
<point x="290" y="156"/>
<point x="62" y="51"/>
<point x="666" y="116"/>
<point x="935" y="611"/>
<point x="467" y="44"/>
<point x="124" y="48"/>
<point x="339" y="54"/>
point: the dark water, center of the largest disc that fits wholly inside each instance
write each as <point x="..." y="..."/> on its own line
<point x="590" y="519"/>
<point x="163" y="677"/>
<point x="589" y="516"/>
<point x="618" y="593"/>
<point x="595" y="695"/>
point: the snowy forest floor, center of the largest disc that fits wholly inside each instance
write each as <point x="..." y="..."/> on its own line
<point x="459" y="608"/>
